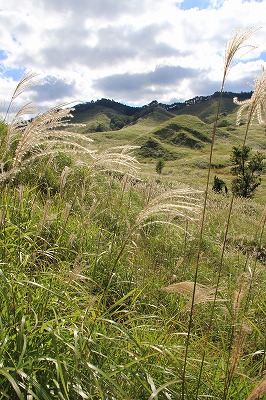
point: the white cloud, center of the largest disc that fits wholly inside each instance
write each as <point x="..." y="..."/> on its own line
<point x="125" y="50"/>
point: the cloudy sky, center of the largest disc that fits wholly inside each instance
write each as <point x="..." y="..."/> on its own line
<point x="132" y="51"/>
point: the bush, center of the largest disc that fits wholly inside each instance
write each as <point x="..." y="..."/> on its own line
<point x="247" y="169"/>
<point x="219" y="185"/>
<point x="159" y="166"/>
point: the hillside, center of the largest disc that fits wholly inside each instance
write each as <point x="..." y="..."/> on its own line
<point x="179" y="134"/>
<point x="181" y="131"/>
<point x="206" y="110"/>
<point x="119" y="115"/>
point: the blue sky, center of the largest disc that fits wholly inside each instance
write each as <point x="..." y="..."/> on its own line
<point x="199" y="4"/>
<point x="130" y="51"/>
<point x="203" y="4"/>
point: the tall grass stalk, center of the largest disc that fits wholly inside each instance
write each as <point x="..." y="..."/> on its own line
<point x="256" y="105"/>
<point x="234" y="45"/>
<point x="162" y="209"/>
<point x="24" y="84"/>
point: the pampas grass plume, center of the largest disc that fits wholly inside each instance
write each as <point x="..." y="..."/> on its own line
<point x="259" y="390"/>
<point x="203" y="294"/>
<point x="184" y="203"/>
<point x="256" y="105"/>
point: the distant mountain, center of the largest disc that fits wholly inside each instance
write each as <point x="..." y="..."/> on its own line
<point x="160" y="130"/>
<point x="118" y="115"/>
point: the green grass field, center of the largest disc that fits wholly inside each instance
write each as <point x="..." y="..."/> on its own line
<point x="120" y="283"/>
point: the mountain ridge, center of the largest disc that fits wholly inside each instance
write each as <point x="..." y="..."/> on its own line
<point x="132" y="110"/>
<point x="109" y="115"/>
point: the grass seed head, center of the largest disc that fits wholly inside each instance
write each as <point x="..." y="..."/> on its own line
<point x="178" y="203"/>
<point x="203" y="294"/>
<point x="259" y="390"/>
<point x="235" y="44"/>
<point x="256" y="105"/>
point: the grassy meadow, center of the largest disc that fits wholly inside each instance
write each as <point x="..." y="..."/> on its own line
<point x="120" y="283"/>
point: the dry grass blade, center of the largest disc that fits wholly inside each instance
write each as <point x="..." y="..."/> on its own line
<point x="24" y="84"/>
<point x="240" y="330"/>
<point x="235" y="44"/>
<point x="259" y="390"/>
<point x="256" y="105"/>
<point x="66" y="171"/>
<point x="44" y="129"/>
<point x="172" y="204"/>
<point x="243" y="286"/>
<point x="117" y="159"/>
<point x="203" y="294"/>
<point x="240" y="337"/>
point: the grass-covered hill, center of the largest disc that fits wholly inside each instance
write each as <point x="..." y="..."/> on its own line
<point x="179" y="134"/>
<point x="206" y="109"/>
<point x="203" y="107"/>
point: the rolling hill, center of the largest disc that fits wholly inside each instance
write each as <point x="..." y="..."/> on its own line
<point x="180" y="134"/>
<point x="159" y="129"/>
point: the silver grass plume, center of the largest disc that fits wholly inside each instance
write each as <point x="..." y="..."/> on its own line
<point x="203" y="294"/>
<point x="46" y="131"/>
<point x="259" y="390"/>
<point x="24" y="84"/>
<point x="256" y="105"/>
<point x="174" y="204"/>
<point x="234" y="45"/>
<point x="46" y="134"/>
<point x="117" y="159"/>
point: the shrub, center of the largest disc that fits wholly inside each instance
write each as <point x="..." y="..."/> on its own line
<point x="219" y="185"/>
<point x="159" y="166"/>
<point x="247" y="168"/>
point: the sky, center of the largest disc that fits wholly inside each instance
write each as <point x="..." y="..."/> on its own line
<point x="131" y="51"/>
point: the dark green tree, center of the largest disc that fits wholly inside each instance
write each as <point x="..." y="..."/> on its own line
<point x="219" y="185"/>
<point x="118" y="122"/>
<point x="247" y="169"/>
<point x="159" y="166"/>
